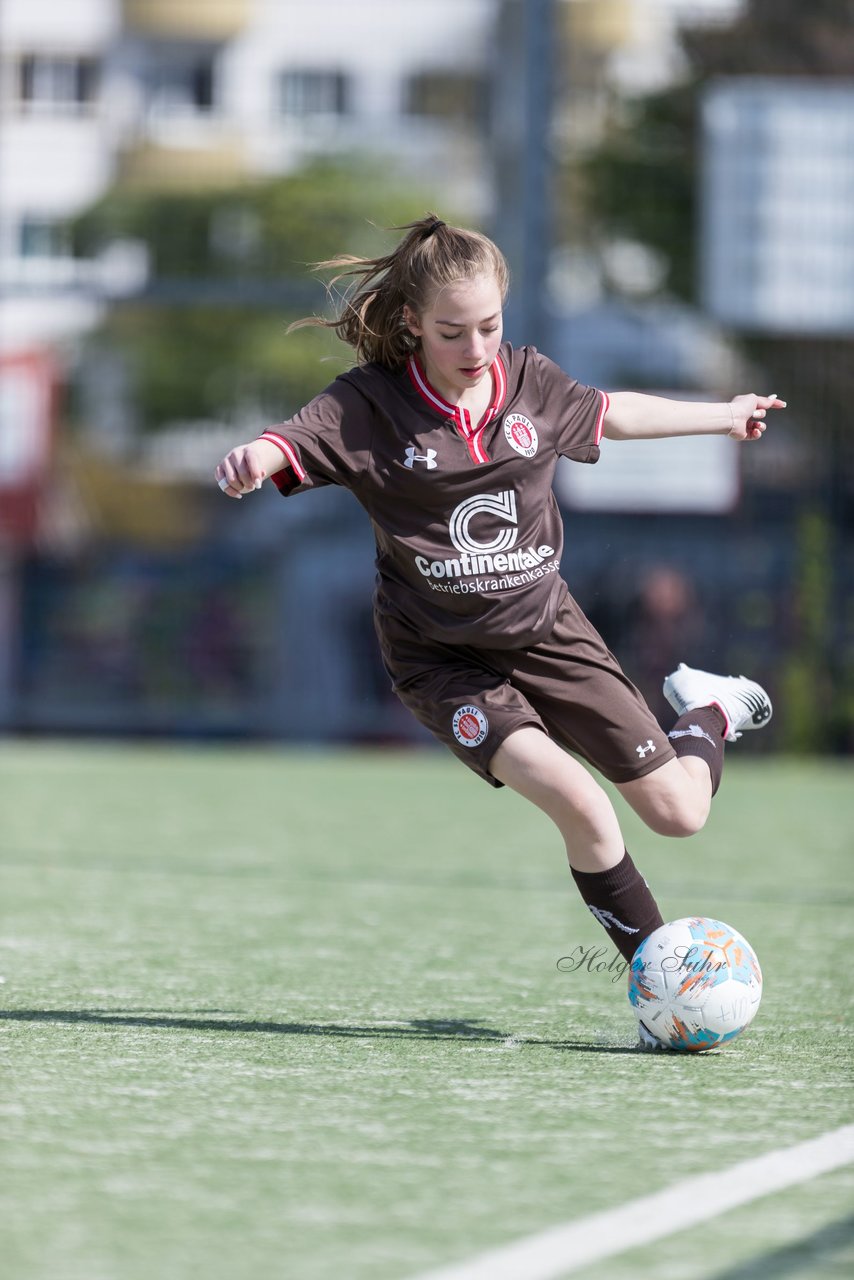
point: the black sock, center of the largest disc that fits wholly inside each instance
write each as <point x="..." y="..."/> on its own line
<point x="620" y="900"/>
<point x="701" y="733"/>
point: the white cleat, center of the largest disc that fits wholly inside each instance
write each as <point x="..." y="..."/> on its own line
<point x="742" y="703"/>
<point x="650" y="1043"/>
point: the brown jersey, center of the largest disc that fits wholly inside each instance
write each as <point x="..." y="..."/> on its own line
<point x="468" y="532"/>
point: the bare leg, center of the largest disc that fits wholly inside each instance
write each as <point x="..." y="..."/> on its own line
<point x="534" y="765"/>
<point x="607" y="879"/>
<point x="673" y="800"/>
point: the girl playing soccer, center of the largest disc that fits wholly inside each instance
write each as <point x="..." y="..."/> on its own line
<point x="449" y="439"/>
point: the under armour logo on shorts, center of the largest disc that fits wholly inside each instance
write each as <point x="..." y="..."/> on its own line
<point x="428" y="458"/>
<point x="644" y="750"/>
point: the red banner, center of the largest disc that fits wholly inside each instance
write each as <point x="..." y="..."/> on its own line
<point x="27" y="410"/>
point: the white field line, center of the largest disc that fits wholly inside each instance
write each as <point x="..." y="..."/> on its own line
<point x="557" y="1252"/>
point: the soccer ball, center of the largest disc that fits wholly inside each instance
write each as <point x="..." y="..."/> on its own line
<point x="695" y="984"/>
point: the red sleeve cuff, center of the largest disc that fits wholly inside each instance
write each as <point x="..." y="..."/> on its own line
<point x="600" y="421"/>
<point x="281" y="442"/>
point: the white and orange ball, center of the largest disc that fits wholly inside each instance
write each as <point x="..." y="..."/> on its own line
<point x="695" y="984"/>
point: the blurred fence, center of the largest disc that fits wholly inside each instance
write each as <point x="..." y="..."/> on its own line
<point x="225" y="641"/>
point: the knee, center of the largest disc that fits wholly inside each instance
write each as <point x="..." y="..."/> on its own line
<point x="678" y="816"/>
<point x="586" y="808"/>
<point x="669" y="801"/>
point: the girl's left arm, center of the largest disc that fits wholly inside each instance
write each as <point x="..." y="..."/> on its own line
<point x="633" y="416"/>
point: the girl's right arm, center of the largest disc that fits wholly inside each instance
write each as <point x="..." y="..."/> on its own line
<point x="244" y="468"/>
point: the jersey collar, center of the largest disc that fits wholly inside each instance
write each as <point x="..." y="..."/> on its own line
<point x="460" y="416"/>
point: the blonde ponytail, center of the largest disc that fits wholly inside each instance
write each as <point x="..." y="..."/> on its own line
<point x="431" y="256"/>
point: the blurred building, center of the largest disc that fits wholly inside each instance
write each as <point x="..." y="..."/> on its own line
<point x="55" y="159"/>
<point x="165" y="93"/>
<point x="159" y="93"/>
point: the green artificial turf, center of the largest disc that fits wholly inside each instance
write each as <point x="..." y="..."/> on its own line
<point x="291" y="1014"/>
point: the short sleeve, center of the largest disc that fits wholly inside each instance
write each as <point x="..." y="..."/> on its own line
<point x="327" y="442"/>
<point x="576" y="412"/>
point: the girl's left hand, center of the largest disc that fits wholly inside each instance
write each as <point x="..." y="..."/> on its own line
<point x="748" y="415"/>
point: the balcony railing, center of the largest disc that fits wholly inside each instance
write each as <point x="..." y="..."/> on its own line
<point x="187" y="19"/>
<point x="149" y="166"/>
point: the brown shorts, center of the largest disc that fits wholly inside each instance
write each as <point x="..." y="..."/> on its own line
<point x="570" y="686"/>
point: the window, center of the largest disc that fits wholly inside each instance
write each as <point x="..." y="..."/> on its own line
<point x="186" y="90"/>
<point x="48" y="83"/>
<point x="40" y="237"/>
<point x="314" y="93"/>
<point x="182" y="83"/>
<point x="447" y="95"/>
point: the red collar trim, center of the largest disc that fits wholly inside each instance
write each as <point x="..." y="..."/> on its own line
<point x="440" y="405"/>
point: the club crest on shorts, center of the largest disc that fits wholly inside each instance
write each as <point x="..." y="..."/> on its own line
<point x="470" y="726"/>
<point x="521" y="434"/>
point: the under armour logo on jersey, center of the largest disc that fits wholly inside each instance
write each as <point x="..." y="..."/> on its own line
<point x="607" y="918"/>
<point x="642" y="751"/>
<point x="428" y="458"/>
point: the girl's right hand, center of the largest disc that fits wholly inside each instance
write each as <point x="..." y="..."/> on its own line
<point x="245" y="468"/>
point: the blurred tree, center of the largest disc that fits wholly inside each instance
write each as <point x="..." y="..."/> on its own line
<point x="779" y="37"/>
<point x="205" y="339"/>
<point x="641" y="183"/>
